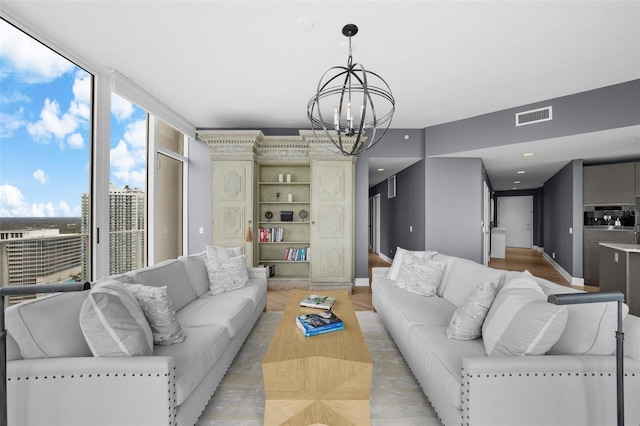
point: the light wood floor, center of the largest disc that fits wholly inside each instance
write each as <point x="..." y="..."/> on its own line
<point x="516" y="260"/>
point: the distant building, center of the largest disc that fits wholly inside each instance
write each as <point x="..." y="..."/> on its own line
<point x="39" y="256"/>
<point x="127" y="245"/>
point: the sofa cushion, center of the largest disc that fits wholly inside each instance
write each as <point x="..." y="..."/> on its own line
<point x="419" y="275"/>
<point x="228" y="309"/>
<point x="521" y="321"/>
<point x="159" y="313"/>
<point x="195" y="357"/>
<point x="464" y="276"/>
<point x="591" y="328"/>
<point x="398" y="258"/>
<point x="173" y="274"/>
<point x="466" y="322"/>
<point x="226" y="274"/>
<point x="31" y="326"/>
<point x="215" y="252"/>
<point x="197" y="271"/>
<point x="113" y="323"/>
<point x="441" y="359"/>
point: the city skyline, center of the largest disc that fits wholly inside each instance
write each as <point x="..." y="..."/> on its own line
<point x="45" y="136"/>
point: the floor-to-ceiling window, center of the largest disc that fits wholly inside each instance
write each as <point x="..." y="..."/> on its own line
<point x="46" y="104"/>
<point x="127" y="186"/>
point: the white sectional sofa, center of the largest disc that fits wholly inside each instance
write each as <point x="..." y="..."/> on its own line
<point x="54" y="379"/>
<point x="572" y="383"/>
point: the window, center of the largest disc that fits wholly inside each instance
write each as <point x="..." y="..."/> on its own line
<point x="45" y="163"/>
<point x="391" y="187"/>
<point x="127" y="186"/>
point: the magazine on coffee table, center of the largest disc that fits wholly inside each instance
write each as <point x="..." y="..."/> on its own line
<point x="319" y="302"/>
<point x="319" y="323"/>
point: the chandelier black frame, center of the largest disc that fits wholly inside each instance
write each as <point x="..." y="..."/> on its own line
<point x="338" y="91"/>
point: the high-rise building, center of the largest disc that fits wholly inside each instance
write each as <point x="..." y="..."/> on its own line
<point x="40" y="256"/>
<point x="127" y="246"/>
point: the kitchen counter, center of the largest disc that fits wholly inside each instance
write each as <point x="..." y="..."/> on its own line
<point x="620" y="271"/>
<point x="632" y="248"/>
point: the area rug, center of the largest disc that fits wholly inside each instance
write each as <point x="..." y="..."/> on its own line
<point x="396" y="397"/>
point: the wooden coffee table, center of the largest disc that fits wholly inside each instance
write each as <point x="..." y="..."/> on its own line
<point x="319" y="379"/>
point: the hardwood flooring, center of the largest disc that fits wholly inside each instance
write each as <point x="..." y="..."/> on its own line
<point x="516" y="259"/>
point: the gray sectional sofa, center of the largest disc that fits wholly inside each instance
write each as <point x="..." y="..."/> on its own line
<point x="572" y="383"/>
<point x="54" y="379"/>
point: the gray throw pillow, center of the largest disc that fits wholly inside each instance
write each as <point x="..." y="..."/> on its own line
<point x="466" y="322"/>
<point x="419" y="275"/>
<point x="226" y="274"/>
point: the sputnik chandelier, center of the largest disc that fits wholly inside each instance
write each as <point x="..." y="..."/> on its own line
<point x="342" y="90"/>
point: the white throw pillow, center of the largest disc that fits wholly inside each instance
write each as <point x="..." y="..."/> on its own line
<point x="159" y="312"/>
<point x="215" y="252"/>
<point x="420" y="276"/>
<point x="392" y="274"/>
<point x="113" y="323"/>
<point x="226" y="274"/>
<point x="466" y="322"/>
<point x="521" y="321"/>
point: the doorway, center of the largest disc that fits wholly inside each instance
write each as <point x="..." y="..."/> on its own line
<point x="374" y="223"/>
<point x="515" y="214"/>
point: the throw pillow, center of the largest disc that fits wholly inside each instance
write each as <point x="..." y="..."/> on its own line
<point x="226" y="274"/>
<point x="215" y="252"/>
<point x="159" y="312"/>
<point x="113" y="323"/>
<point x="420" y="276"/>
<point x="521" y="321"/>
<point x="398" y="258"/>
<point x="466" y="323"/>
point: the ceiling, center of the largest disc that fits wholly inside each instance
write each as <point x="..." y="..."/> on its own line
<point x="255" y="64"/>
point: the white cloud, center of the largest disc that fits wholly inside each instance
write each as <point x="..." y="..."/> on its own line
<point x="12" y="202"/>
<point x="75" y="141"/>
<point x="63" y="209"/>
<point x="10" y="122"/>
<point x="121" y="108"/>
<point x="128" y="165"/>
<point x="40" y="176"/>
<point x="42" y="210"/>
<point x="52" y="123"/>
<point x="10" y="98"/>
<point x="29" y="60"/>
<point x="136" y="134"/>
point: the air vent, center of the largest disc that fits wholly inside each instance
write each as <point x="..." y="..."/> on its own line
<point x="534" y="116"/>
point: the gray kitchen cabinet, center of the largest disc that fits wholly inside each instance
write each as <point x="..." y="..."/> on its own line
<point x="610" y="184"/>
<point x="591" y="252"/>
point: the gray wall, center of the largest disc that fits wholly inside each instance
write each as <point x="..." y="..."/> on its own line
<point x="600" y="109"/>
<point x="200" y="201"/>
<point x="454" y="206"/>
<point x="562" y="211"/>
<point x="402" y="211"/>
<point x="394" y="145"/>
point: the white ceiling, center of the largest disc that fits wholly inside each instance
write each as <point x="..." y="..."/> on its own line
<point x="255" y="64"/>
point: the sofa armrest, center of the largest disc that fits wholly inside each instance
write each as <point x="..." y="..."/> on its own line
<point x="257" y="273"/>
<point x="96" y="391"/>
<point x="575" y="390"/>
<point x="379" y="272"/>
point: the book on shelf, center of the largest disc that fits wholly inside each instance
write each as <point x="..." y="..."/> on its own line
<point x="319" y="302"/>
<point x="271" y="235"/>
<point x="319" y="323"/>
<point x="294" y="254"/>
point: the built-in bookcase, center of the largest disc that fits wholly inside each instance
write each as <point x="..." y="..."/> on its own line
<point x="284" y="192"/>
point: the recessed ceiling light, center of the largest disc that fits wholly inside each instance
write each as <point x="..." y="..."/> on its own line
<point x="514" y="188"/>
<point x="528" y="154"/>
<point x="381" y="170"/>
<point x="521" y="172"/>
<point x="516" y="181"/>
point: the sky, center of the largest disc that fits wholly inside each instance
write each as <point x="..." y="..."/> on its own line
<point x="45" y="131"/>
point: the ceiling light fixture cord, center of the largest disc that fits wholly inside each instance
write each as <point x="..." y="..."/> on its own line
<point x="339" y="91"/>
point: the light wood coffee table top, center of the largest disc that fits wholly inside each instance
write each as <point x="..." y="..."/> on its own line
<point x="317" y="379"/>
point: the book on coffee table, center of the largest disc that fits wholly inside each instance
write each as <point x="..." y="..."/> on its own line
<point x="319" y="323"/>
<point x="319" y="302"/>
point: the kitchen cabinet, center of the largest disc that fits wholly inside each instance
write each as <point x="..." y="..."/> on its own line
<point x="591" y="252"/>
<point x="610" y="184"/>
<point x="620" y="271"/>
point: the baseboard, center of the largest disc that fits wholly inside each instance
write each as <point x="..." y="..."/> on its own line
<point x="385" y="258"/>
<point x="362" y="282"/>
<point x="567" y="276"/>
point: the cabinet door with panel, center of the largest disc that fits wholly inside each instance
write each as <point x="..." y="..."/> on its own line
<point x="609" y="184"/>
<point x="332" y="221"/>
<point x="591" y="252"/>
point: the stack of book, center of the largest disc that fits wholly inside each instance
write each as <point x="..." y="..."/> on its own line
<point x="319" y="323"/>
<point x="294" y="254"/>
<point x="271" y="235"/>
